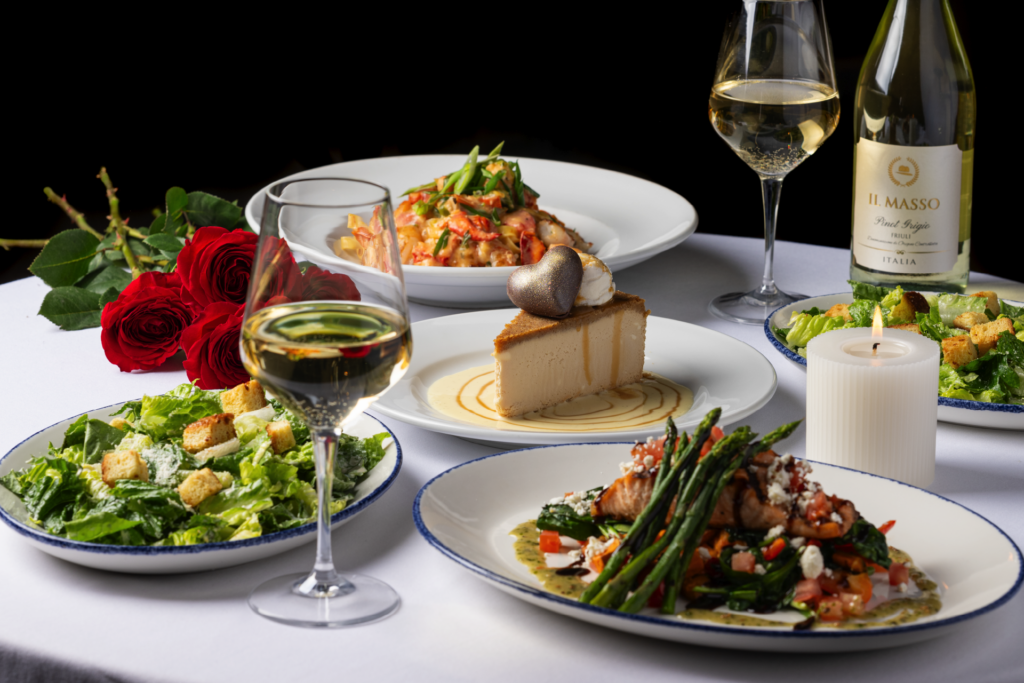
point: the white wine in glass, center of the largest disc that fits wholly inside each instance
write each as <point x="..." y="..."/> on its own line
<point x="774" y="102"/>
<point x="327" y="347"/>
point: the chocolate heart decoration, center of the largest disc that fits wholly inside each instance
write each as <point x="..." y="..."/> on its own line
<point x="549" y="287"/>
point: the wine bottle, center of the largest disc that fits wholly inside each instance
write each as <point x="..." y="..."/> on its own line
<point x="914" y="116"/>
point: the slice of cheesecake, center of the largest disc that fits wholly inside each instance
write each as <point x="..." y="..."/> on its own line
<point x="540" y="362"/>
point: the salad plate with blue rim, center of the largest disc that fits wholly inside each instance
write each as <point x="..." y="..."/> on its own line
<point x="173" y="559"/>
<point x="468" y="513"/>
<point x="953" y="410"/>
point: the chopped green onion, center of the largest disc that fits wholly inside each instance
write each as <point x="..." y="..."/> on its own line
<point x="442" y="242"/>
<point x="468" y="171"/>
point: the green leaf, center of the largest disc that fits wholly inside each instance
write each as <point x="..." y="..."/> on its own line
<point x="166" y="243"/>
<point x="101" y="280"/>
<point x="108" y="296"/>
<point x="71" y="308"/>
<point x="65" y="258"/>
<point x="205" y="209"/>
<point x="158" y="224"/>
<point x="99" y="439"/>
<point x="177" y="200"/>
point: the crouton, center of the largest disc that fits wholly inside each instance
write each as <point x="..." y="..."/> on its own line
<point x="281" y="437"/>
<point x="209" y="431"/>
<point x="965" y="321"/>
<point x="958" y="350"/>
<point x="840" y="311"/>
<point x="243" y="398"/>
<point x="909" y="327"/>
<point x="986" y="335"/>
<point x="123" y="465"/>
<point x="918" y="301"/>
<point x="199" y="486"/>
<point x="904" y="310"/>
<point x="993" y="301"/>
<point x="119" y="423"/>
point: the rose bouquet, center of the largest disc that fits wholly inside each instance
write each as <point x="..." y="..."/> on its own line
<point x="172" y="285"/>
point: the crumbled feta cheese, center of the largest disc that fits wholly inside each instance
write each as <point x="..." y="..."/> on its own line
<point x="836" y="518"/>
<point x="704" y="553"/>
<point x="902" y="588"/>
<point x="759" y="569"/>
<point x="649" y="461"/>
<point x="827" y="572"/>
<point x="797" y="542"/>
<point x="775" y="531"/>
<point x="596" y="547"/>
<point x="575" y="555"/>
<point x="778" y="495"/>
<point x="740" y="546"/>
<point x="811" y="562"/>
<point x="626" y="467"/>
<point x="579" y="501"/>
<point x="650" y="441"/>
<point x="778" y="482"/>
<point x="639" y="468"/>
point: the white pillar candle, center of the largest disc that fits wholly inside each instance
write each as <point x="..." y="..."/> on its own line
<point x="872" y="402"/>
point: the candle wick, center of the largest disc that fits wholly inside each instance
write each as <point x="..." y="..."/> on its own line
<point x="874" y="348"/>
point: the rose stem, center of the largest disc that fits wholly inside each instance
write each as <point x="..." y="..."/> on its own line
<point x="118" y="223"/>
<point x="76" y="216"/>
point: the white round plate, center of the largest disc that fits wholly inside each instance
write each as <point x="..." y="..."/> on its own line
<point x="468" y="512"/>
<point x="954" y="410"/>
<point x="628" y="219"/>
<point x="721" y="371"/>
<point x="189" y="558"/>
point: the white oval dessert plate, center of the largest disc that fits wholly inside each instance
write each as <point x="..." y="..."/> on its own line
<point x="467" y="513"/>
<point x="628" y="219"/>
<point x="953" y="410"/>
<point x="189" y="558"/>
<point x="719" y="370"/>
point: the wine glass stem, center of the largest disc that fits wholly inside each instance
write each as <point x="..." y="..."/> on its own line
<point x="771" y="189"/>
<point x="325" y="446"/>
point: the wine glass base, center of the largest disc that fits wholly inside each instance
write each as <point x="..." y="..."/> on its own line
<point x="750" y="308"/>
<point x="361" y="600"/>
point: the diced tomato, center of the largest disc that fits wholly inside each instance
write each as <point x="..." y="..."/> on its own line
<point x="898" y="573"/>
<point x="773" y="550"/>
<point x="818" y="507"/>
<point x="887" y="526"/>
<point x="657" y="596"/>
<point x="807" y="591"/>
<point x="743" y="562"/>
<point x="855" y="563"/>
<point x="655" y="449"/>
<point x="829" y="584"/>
<point x="813" y="541"/>
<point x="861" y="585"/>
<point x="716" y="435"/>
<point x="550" y="542"/>
<point x="853" y="604"/>
<point x="830" y="609"/>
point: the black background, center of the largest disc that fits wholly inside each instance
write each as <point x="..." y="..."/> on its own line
<point x="227" y="105"/>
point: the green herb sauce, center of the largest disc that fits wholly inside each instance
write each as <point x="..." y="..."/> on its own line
<point x="527" y="547"/>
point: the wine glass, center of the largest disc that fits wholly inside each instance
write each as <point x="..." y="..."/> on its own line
<point x="327" y="344"/>
<point x="774" y="102"/>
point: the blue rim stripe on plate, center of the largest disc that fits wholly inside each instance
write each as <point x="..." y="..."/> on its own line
<point x="670" y="622"/>
<point x="943" y="401"/>
<point x="138" y="550"/>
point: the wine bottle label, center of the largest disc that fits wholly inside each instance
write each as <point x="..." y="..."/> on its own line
<point x="906" y="208"/>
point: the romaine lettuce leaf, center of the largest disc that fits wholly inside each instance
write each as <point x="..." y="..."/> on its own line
<point x="98" y="524"/>
<point x="805" y="327"/>
<point x="952" y="305"/>
<point x="892" y="298"/>
<point x="167" y="463"/>
<point x="249" y="496"/>
<point x="167" y="415"/>
<point x="249" y="427"/>
<point x="863" y="312"/>
<point x="99" y="439"/>
<point x="862" y="290"/>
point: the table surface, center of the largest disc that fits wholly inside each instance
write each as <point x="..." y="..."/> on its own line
<point x="61" y="621"/>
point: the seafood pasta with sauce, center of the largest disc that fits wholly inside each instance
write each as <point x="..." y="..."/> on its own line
<point x="480" y="215"/>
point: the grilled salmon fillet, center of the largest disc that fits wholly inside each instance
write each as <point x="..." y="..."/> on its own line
<point x="772" y="490"/>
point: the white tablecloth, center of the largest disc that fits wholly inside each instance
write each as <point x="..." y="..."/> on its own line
<point x="59" y="621"/>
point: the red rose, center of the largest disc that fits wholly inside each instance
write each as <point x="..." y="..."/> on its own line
<point x="143" y="327"/>
<point x="211" y="347"/>
<point x="215" y="265"/>
<point x="322" y="284"/>
<point x="280" y="280"/>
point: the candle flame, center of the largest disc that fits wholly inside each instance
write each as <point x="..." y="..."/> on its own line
<point x="876" y="323"/>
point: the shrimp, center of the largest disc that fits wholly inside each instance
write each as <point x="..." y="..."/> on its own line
<point x="552" y="233"/>
<point x="479" y="227"/>
<point x="373" y="238"/>
<point x="520" y="219"/>
<point x="531" y="249"/>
